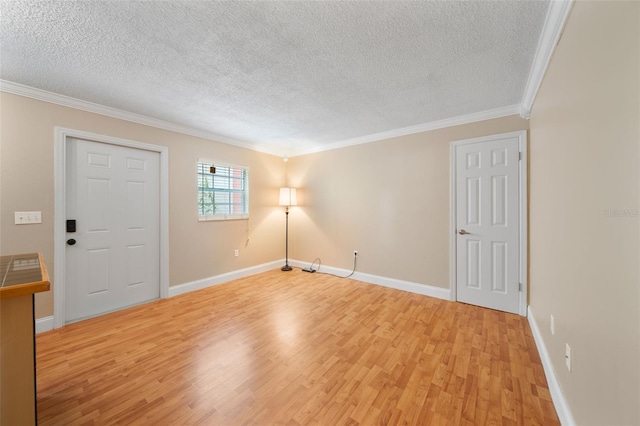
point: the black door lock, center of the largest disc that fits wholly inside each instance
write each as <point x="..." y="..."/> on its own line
<point x="71" y="241"/>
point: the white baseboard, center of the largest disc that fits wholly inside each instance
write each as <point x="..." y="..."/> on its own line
<point x="424" y="289"/>
<point x="223" y="278"/>
<point x="559" y="401"/>
<point x="44" y="324"/>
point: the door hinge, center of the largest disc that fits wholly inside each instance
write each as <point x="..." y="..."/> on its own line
<point x="519" y="156"/>
<point x="519" y="286"/>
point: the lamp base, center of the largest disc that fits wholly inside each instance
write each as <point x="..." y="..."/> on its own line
<point x="286" y="268"/>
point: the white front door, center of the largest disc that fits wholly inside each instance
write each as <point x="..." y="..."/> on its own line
<point x="113" y="194"/>
<point x="488" y="222"/>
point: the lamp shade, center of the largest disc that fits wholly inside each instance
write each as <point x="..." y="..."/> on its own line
<point x="288" y="197"/>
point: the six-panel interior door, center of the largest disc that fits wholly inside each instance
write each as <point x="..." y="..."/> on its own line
<point x="113" y="194"/>
<point x="487" y="219"/>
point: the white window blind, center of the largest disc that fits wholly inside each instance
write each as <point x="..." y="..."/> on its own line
<point x="223" y="195"/>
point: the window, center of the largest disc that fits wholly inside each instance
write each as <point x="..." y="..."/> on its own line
<point x="223" y="195"/>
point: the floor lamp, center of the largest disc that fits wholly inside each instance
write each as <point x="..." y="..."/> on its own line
<point x="287" y="198"/>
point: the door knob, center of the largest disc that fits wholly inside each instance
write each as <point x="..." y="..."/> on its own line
<point x="463" y="232"/>
<point x="71" y="241"/>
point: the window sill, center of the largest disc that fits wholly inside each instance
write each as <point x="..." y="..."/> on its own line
<point x="223" y="217"/>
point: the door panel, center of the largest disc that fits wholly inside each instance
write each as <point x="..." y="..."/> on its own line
<point x="136" y="264"/>
<point x="499" y="266"/>
<point x="473" y="263"/>
<point x="97" y="271"/>
<point x="473" y="201"/>
<point x="487" y="221"/>
<point x="113" y="193"/>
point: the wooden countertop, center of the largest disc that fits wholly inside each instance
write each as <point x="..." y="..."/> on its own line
<point x="22" y="274"/>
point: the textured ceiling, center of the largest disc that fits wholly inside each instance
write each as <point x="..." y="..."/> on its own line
<point x="285" y="76"/>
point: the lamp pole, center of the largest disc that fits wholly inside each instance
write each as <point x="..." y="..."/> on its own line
<point x="287" y="198"/>
<point x="286" y="266"/>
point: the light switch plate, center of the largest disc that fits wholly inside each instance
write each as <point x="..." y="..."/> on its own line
<point x="27" y="218"/>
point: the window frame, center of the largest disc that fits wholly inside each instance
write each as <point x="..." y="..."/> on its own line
<point x="245" y="192"/>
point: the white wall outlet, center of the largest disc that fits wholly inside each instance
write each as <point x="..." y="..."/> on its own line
<point x="552" y="324"/>
<point x="236" y="253"/>
<point x="567" y="357"/>
<point x="26" y="218"/>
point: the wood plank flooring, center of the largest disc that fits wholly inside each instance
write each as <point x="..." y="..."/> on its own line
<point x="294" y="349"/>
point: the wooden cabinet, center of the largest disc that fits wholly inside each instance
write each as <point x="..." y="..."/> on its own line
<point x="21" y="277"/>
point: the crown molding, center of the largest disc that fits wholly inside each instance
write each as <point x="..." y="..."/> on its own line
<point x="549" y="38"/>
<point x="67" y="101"/>
<point x="43" y="95"/>
<point x="425" y="127"/>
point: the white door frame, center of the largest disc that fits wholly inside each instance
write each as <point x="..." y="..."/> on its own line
<point x="522" y="232"/>
<point x="60" y="196"/>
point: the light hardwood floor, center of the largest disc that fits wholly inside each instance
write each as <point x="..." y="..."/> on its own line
<point x="294" y="348"/>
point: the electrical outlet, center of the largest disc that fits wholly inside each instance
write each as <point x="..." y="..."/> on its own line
<point x="553" y="325"/>
<point x="567" y="357"/>
<point x="236" y="253"/>
<point x="355" y="252"/>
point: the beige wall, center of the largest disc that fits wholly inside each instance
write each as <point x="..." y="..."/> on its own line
<point x="197" y="249"/>
<point x="352" y="198"/>
<point x="584" y="153"/>
<point x="387" y="199"/>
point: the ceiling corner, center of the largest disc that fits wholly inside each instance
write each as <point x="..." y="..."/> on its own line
<point x="551" y="32"/>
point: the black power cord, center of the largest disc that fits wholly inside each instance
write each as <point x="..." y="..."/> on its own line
<point x="310" y="268"/>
